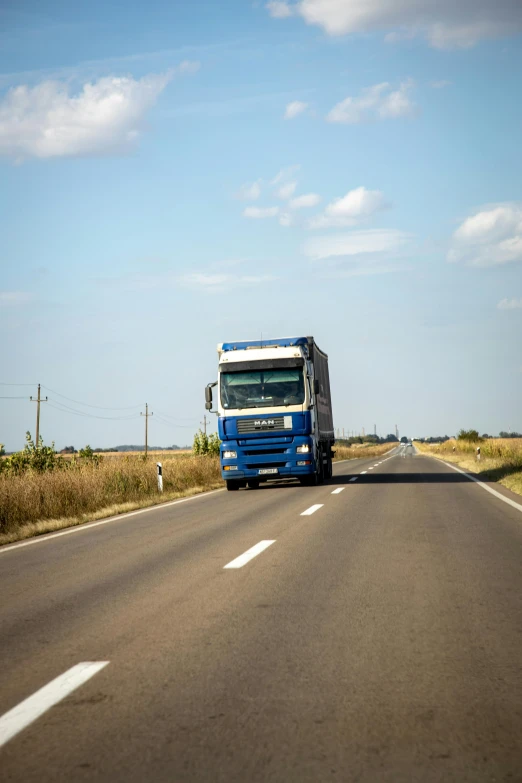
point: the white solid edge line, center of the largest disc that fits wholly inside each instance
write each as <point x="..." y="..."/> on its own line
<point x="89" y="525"/>
<point x="240" y="561"/>
<point x="312" y="510"/>
<point x="337" y="491"/>
<point x="354" y="478"/>
<point x="485" y="486"/>
<point x="25" y="713"/>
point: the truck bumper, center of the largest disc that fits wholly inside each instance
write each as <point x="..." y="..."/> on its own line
<point x="286" y="472"/>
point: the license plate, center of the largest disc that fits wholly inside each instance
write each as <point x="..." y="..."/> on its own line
<point x="264" y="471"/>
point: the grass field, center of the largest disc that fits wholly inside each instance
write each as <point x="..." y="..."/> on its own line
<point x="500" y="459"/>
<point x="35" y="503"/>
<point x="361" y="451"/>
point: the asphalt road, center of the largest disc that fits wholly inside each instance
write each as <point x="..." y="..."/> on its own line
<point x="378" y="638"/>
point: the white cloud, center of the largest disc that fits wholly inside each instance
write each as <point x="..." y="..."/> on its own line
<point x="14" y="298"/>
<point x="357" y="205"/>
<point x="286" y="191"/>
<point x="294" y="108"/>
<point x="307" y="200"/>
<point x="106" y="116"/>
<point x="445" y="23"/>
<point x="510" y="304"/>
<point x="250" y="192"/>
<point x="490" y="237"/>
<point x="285" y="219"/>
<point x="285" y="174"/>
<point x="356" y="243"/>
<point x="279" y="9"/>
<point x="260" y="212"/>
<point x="188" y="66"/>
<point x="218" y="282"/>
<point x="376" y="102"/>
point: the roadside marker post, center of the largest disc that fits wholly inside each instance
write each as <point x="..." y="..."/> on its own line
<point x="160" y="476"/>
<point x="478" y="453"/>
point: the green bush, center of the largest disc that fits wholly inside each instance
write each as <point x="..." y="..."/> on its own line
<point x="38" y="458"/>
<point x="206" y="444"/>
<point x="472" y="436"/>
<point x="41" y="459"/>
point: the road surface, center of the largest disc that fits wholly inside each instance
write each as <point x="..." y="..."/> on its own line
<point x="377" y="637"/>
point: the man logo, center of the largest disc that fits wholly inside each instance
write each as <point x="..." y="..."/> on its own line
<point x="260" y="423"/>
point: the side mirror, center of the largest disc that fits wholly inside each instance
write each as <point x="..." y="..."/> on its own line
<point x="317" y="387"/>
<point x="208" y="396"/>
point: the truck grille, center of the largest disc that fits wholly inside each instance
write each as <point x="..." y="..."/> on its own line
<point x="264" y="451"/>
<point x="260" y="425"/>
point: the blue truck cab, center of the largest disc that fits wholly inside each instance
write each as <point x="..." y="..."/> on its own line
<point x="274" y="411"/>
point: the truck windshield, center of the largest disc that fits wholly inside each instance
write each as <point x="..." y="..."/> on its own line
<point x="267" y="388"/>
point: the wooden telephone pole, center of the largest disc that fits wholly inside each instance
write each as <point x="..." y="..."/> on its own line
<point x="204" y="423"/>
<point x="146" y="414"/>
<point x="38" y="401"/>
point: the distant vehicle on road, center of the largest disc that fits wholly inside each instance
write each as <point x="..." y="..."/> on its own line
<point x="275" y="411"/>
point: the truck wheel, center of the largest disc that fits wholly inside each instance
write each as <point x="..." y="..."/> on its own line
<point x="321" y="469"/>
<point x="253" y="484"/>
<point x="232" y="485"/>
<point x="329" y="468"/>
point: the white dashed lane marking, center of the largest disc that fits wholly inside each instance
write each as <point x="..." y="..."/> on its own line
<point x="337" y="491"/>
<point x="240" y="561"/>
<point x="312" y="510"/>
<point x="34" y="706"/>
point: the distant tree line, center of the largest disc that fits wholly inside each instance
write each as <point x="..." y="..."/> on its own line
<point x="366" y="439"/>
<point x="141" y="447"/>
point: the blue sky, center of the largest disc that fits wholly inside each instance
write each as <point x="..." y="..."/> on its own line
<point x="178" y="174"/>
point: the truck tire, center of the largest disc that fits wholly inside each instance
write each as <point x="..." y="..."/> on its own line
<point x="253" y="484"/>
<point x="232" y="485"/>
<point x="320" y="469"/>
<point x="329" y="468"/>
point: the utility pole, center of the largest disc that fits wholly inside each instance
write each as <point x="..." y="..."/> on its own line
<point x="204" y="423"/>
<point x="38" y="401"/>
<point x="146" y="414"/>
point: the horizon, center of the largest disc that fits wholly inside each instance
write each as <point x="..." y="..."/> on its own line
<point x="181" y="175"/>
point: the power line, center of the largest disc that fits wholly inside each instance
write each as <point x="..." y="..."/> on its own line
<point x="87" y="405"/>
<point x="172" y="424"/>
<point x="176" y="418"/>
<point x="13" y="398"/>
<point x="67" y="409"/>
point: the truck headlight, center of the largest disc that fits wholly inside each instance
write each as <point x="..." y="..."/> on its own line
<point x="305" y="449"/>
<point x="229" y="455"/>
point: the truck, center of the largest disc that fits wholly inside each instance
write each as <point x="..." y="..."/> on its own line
<point x="274" y="411"/>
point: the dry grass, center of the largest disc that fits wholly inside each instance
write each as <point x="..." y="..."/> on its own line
<point x="500" y="459"/>
<point x="361" y="450"/>
<point x="38" y="502"/>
